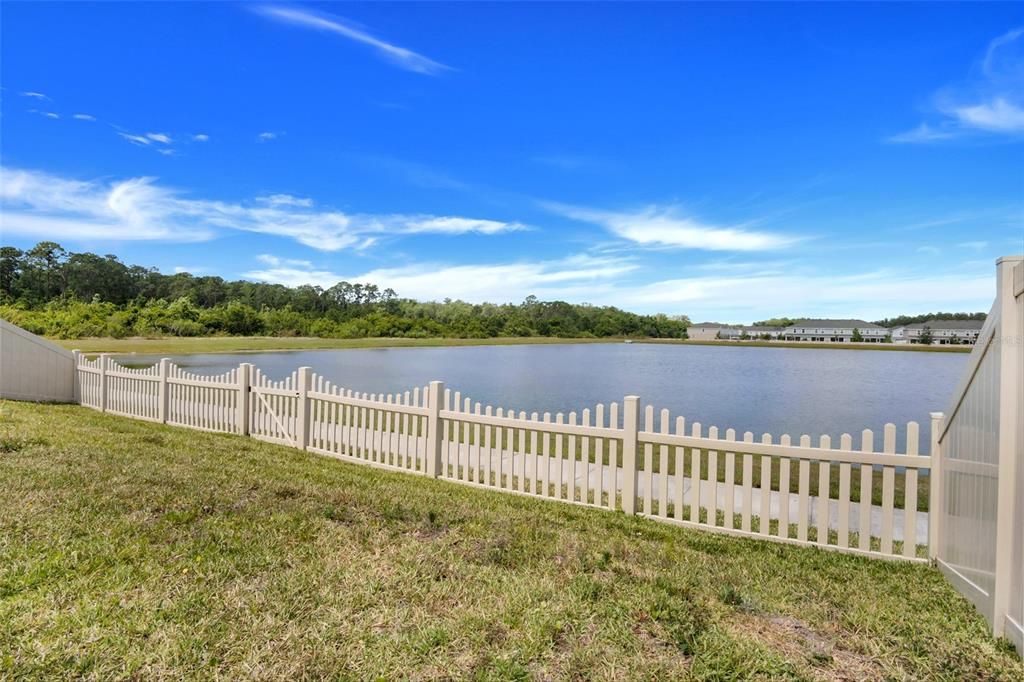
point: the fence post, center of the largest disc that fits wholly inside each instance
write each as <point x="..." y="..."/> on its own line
<point x="76" y="387"/>
<point x="1009" y="347"/>
<point x="302" y="427"/>
<point x="434" y="465"/>
<point x="103" y="382"/>
<point x="163" y="395"/>
<point x="630" y="426"/>
<point x="242" y="405"/>
<point x="935" y="484"/>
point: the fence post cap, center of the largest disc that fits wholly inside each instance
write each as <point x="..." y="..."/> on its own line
<point x="936" y="415"/>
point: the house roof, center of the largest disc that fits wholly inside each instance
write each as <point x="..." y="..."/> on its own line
<point x="836" y="324"/>
<point x="948" y="324"/>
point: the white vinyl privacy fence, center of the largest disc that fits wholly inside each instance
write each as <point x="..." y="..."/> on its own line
<point x="861" y="497"/>
<point x="980" y="460"/>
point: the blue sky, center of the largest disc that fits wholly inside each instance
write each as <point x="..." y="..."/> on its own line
<point x="725" y="161"/>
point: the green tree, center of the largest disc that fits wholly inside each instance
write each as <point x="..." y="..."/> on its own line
<point x="856" y="337"/>
<point x="926" y="336"/>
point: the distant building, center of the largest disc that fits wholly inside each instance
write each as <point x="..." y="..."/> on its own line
<point x="753" y="333"/>
<point x="944" y="332"/>
<point x="834" y="331"/>
<point x="705" y="331"/>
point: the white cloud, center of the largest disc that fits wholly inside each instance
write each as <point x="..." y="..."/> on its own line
<point x="923" y="133"/>
<point x="990" y="102"/>
<point x="739" y="297"/>
<point x="657" y="226"/>
<point x="997" y="115"/>
<point x="974" y="246"/>
<point x="47" y="114"/>
<point x="84" y="117"/>
<point x="36" y="95"/>
<point x="929" y="250"/>
<point x="49" y="206"/>
<point x="285" y="200"/>
<point x="166" y="152"/>
<point x="200" y="137"/>
<point x="399" y="56"/>
<point x="135" y="139"/>
<point x="163" y="138"/>
<point x="570" y="277"/>
<point x="266" y="137"/>
<point x="455" y="225"/>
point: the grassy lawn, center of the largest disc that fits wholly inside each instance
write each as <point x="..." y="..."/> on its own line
<point x="172" y="345"/>
<point x="176" y="345"/>
<point x="130" y="549"/>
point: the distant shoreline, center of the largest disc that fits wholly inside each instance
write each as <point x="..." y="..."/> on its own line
<point x="174" y="345"/>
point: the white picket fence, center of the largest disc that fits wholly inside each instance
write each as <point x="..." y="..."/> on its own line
<point x="613" y="457"/>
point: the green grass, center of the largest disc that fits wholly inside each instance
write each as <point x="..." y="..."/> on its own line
<point x="130" y="549"/>
<point x="178" y="345"/>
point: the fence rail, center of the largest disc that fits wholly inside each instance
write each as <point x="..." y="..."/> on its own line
<point x="614" y="456"/>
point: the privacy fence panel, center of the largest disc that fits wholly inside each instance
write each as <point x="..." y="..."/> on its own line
<point x="979" y="535"/>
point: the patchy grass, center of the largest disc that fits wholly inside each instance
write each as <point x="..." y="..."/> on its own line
<point x="130" y="549"/>
<point x="173" y="345"/>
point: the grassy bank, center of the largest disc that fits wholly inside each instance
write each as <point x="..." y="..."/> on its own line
<point x="130" y="549"/>
<point x="233" y="344"/>
<point x="172" y="345"/>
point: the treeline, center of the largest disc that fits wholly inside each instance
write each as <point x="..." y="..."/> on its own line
<point x="51" y="291"/>
<point x="887" y="322"/>
<point x="913" y="319"/>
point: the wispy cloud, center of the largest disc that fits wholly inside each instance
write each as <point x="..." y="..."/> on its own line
<point x="266" y="136"/>
<point x="285" y="200"/>
<point x="570" y="277"/>
<point x="45" y="114"/>
<point x="974" y="246"/>
<point x="84" y="117"/>
<point x="399" y="56"/>
<point x="141" y="140"/>
<point x="36" y="95"/>
<point x="990" y="102"/>
<point x="668" y="227"/>
<point x="200" y="137"/>
<point x="44" y="205"/>
<point x="162" y="138"/>
<point x="929" y="250"/>
<point x="922" y="133"/>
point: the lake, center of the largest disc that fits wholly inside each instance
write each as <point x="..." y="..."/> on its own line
<point x="773" y="390"/>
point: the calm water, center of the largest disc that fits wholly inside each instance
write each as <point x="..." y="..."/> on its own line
<point x="774" y="390"/>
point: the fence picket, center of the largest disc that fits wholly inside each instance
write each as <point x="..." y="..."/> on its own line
<point x="730" y="483"/>
<point x="765" y="512"/>
<point x="824" y="485"/>
<point x="910" y="494"/>
<point x="867" y="444"/>
<point x="695" y="479"/>
<point x="785" y="486"/>
<point x="803" y="515"/>
<point x="843" y="529"/>
<point x="748" y="488"/>
<point x="888" y="489"/>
